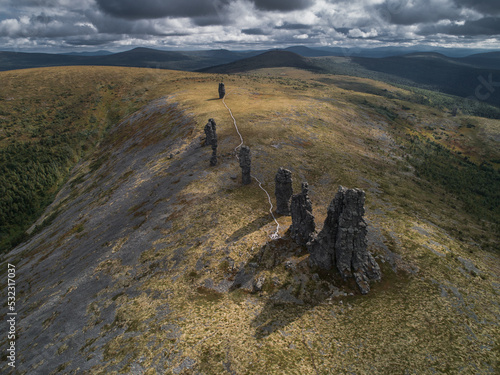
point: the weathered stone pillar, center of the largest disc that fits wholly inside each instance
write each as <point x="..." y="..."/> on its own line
<point x="283" y="191"/>
<point x="245" y="163"/>
<point x="210" y="132"/>
<point x="222" y="90"/>
<point x="342" y="241"/>
<point x="303" y="226"/>
<point x="211" y="139"/>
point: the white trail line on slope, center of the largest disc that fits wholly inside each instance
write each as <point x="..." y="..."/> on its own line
<point x="275" y="235"/>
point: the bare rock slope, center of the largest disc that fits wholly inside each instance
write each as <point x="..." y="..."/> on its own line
<point x="74" y="274"/>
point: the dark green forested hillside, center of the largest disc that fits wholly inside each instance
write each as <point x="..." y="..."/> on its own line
<point x="49" y="120"/>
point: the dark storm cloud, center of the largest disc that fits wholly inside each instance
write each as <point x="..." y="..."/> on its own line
<point x="111" y="25"/>
<point x="253" y="31"/>
<point x="487" y="26"/>
<point x="343" y="30"/>
<point x="89" y="41"/>
<point x="405" y="12"/>
<point x="293" y="26"/>
<point x="150" y="9"/>
<point x="203" y="12"/>
<point x="35" y="3"/>
<point x="42" y="19"/>
<point x="490" y="7"/>
<point x="283" y="5"/>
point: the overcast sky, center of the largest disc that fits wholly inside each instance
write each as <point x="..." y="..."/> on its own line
<point x="116" y="25"/>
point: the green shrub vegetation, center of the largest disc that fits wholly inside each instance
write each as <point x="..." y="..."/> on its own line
<point x="443" y="94"/>
<point x="476" y="186"/>
<point x="49" y="120"/>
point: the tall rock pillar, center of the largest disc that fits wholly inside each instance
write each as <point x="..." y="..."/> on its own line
<point x="211" y="139"/>
<point x="222" y="90"/>
<point x="283" y="191"/>
<point x="210" y="132"/>
<point x="245" y="164"/>
<point x="342" y="241"/>
<point x="302" y="228"/>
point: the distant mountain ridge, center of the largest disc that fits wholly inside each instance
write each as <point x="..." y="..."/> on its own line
<point x="95" y="53"/>
<point x="489" y="60"/>
<point x="455" y="76"/>
<point x="271" y="59"/>
<point x="138" y="57"/>
<point x="196" y="60"/>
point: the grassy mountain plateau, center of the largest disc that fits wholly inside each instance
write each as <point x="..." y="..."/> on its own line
<point x="134" y="256"/>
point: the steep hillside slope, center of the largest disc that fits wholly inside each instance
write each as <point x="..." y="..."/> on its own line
<point x="489" y="60"/>
<point x="455" y="76"/>
<point x="49" y="120"/>
<point x="144" y="266"/>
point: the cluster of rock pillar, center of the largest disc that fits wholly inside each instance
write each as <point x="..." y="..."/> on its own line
<point x="342" y="242"/>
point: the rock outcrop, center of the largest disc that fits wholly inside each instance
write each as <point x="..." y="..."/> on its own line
<point x="302" y="228"/>
<point x="283" y="191"/>
<point x="245" y="163"/>
<point x="222" y="90"/>
<point x="342" y="241"/>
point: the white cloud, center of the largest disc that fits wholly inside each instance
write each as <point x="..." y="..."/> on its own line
<point x="87" y="25"/>
<point x="239" y="23"/>
<point x="10" y="27"/>
<point x="357" y="33"/>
